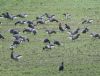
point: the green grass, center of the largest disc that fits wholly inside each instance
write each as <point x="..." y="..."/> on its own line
<point x="81" y="57"/>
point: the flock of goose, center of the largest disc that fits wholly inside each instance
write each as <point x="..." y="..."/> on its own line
<point x="40" y="20"/>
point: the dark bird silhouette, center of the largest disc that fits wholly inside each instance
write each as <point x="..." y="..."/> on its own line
<point x="61" y="67"/>
<point x="46" y="41"/>
<point x="85" y="30"/>
<point x="30" y="30"/>
<point x="57" y="42"/>
<point x="14" y="31"/>
<point x="1" y="36"/>
<point x="74" y="32"/>
<point x="8" y="16"/>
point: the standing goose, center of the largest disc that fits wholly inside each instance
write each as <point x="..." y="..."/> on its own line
<point x="61" y="28"/>
<point x="61" y="67"/>
<point x="67" y="27"/>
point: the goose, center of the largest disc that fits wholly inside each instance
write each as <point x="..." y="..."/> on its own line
<point x="20" y="22"/>
<point x="46" y="40"/>
<point x="74" y="32"/>
<point x="61" y="67"/>
<point x="74" y="37"/>
<point x="34" y="31"/>
<point x="51" y="31"/>
<point x="15" y="56"/>
<point x="14" y="31"/>
<point x="49" y="46"/>
<point x="85" y="30"/>
<point x="87" y="21"/>
<point x="95" y="35"/>
<point x="1" y="36"/>
<point x="67" y="15"/>
<point x="67" y="27"/>
<point x="61" y="28"/>
<point x="22" y="15"/>
<point x="57" y="42"/>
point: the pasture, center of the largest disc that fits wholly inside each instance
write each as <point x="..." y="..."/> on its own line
<point x="81" y="57"/>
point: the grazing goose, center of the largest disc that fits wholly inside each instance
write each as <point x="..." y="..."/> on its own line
<point x="46" y="40"/>
<point x="85" y="30"/>
<point x="48" y="15"/>
<point x="74" y="32"/>
<point x="8" y="16"/>
<point x="31" y="26"/>
<point x="61" y="67"/>
<point x="95" y="35"/>
<point x="74" y="37"/>
<point x="30" y="30"/>
<point x="22" y="15"/>
<point x="12" y="47"/>
<point x="40" y="21"/>
<point x="1" y="36"/>
<point x="17" y="36"/>
<point x="87" y="21"/>
<point x="29" y="22"/>
<point x="20" y="22"/>
<point x="57" y="42"/>
<point x="15" y="56"/>
<point x="14" y="31"/>
<point x="23" y="39"/>
<point x="53" y="19"/>
<point x="49" y="46"/>
<point x="16" y="42"/>
<point x="51" y="31"/>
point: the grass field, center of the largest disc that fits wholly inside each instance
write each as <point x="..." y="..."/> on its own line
<point x="81" y="57"/>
